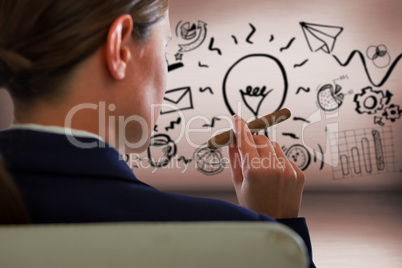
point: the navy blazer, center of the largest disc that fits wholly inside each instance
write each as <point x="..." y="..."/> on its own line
<point x="61" y="183"/>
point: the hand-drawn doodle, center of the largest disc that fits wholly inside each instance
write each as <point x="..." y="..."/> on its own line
<point x="284" y="148"/>
<point x="179" y="99"/>
<point x="356" y="160"/>
<point x="356" y="52"/>
<point x="235" y="39"/>
<point x="213" y="122"/>
<point x="330" y="99"/>
<point x="212" y="48"/>
<point x="344" y="160"/>
<point x="301" y="119"/>
<point x="379" y="55"/>
<point x="253" y="98"/>
<point x="322" y="157"/>
<point x="125" y="158"/>
<point x="251" y="34"/>
<point x="299" y="155"/>
<point x="288" y="45"/>
<point x="202" y="65"/>
<point x="179" y="56"/>
<point x="369" y="101"/>
<point x="173" y="123"/>
<point x="139" y="158"/>
<point x="388" y="97"/>
<point x="291" y="135"/>
<point x="378" y="121"/>
<point x="202" y="90"/>
<point x="161" y="150"/>
<point x="342" y="77"/>
<point x="366" y="155"/>
<point x="357" y="150"/>
<point x="321" y="37"/>
<point x="302" y="89"/>
<point x="262" y="70"/>
<point x="191" y="32"/>
<point x="392" y="112"/>
<point x="185" y="161"/>
<point x="175" y="66"/>
<point x="379" y="153"/>
<point x="300" y="64"/>
<point x="208" y="162"/>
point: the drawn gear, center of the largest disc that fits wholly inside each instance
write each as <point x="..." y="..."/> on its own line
<point x="392" y="113"/>
<point x="376" y="97"/>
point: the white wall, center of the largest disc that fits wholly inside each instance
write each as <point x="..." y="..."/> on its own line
<point x="277" y="23"/>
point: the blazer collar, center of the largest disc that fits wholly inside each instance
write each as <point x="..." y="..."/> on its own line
<point x="30" y="151"/>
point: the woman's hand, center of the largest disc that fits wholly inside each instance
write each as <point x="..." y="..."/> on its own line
<point x="265" y="180"/>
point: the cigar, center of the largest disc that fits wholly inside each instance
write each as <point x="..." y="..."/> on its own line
<point x="227" y="137"/>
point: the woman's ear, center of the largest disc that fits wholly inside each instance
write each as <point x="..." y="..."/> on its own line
<point x="117" y="51"/>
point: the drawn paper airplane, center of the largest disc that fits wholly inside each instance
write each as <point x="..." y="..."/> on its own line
<point x="321" y="37"/>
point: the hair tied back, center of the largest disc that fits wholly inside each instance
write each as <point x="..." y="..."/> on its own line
<point x="11" y="64"/>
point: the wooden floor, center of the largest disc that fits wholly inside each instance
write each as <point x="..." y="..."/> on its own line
<point x="349" y="229"/>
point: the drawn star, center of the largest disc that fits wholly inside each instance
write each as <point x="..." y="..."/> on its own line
<point x="179" y="56"/>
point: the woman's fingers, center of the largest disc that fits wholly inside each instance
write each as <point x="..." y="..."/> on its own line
<point x="289" y="171"/>
<point x="266" y="152"/>
<point x="235" y="164"/>
<point x="244" y="140"/>
<point x="300" y="175"/>
<point x="264" y="179"/>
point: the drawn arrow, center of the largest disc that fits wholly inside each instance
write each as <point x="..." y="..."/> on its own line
<point x="388" y="96"/>
<point x="378" y="121"/>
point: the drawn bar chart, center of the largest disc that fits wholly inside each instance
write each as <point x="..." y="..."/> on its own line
<point x="362" y="152"/>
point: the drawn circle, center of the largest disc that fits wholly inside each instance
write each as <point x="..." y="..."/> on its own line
<point x="299" y="155"/>
<point x="370" y="102"/>
<point x="379" y="55"/>
<point x="371" y="52"/>
<point x="383" y="61"/>
<point x="208" y="161"/>
<point x="269" y="61"/>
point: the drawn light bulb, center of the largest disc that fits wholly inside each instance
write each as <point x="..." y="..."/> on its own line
<point x="258" y="82"/>
<point x="253" y="98"/>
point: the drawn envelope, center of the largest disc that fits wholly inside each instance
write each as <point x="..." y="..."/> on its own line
<point x="321" y="37"/>
<point x="178" y="99"/>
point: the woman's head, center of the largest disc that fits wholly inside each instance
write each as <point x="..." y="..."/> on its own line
<point x="42" y="42"/>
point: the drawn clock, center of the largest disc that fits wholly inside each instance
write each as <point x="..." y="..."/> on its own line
<point x="209" y="162"/>
<point x="299" y="155"/>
